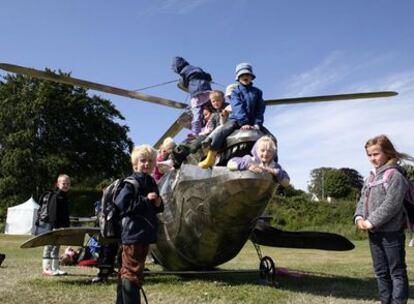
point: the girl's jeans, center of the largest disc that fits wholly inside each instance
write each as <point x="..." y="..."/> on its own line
<point x="388" y="256"/>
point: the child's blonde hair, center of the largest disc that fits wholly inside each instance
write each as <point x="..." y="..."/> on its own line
<point x="168" y="141"/>
<point x="268" y="141"/>
<point x="143" y="151"/>
<point x="388" y="148"/>
<point x="64" y="176"/>
<point x="216" y="93"/>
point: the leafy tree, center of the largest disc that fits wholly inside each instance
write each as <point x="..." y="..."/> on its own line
<point x="48" y="128"/>
<point x="409" y="169"/>
<point x="317" y="183"/>
<point x="336" y="183"/>
<point x="356" y="182"/>
<point x="355" y="179"/>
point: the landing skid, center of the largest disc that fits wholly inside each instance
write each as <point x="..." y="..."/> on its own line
<point x="267" y="267"/>
<point x="268" y="271"/>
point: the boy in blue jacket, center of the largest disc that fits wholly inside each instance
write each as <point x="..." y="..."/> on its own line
<point x="197" y="83"/>
<point x="137" y="207"/>
<point x="248" y="109"/>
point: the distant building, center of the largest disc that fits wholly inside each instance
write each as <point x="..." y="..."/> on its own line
<point x="314" y="198"/>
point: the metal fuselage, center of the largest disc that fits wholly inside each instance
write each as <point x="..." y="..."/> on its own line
<point x="209" y="215"/>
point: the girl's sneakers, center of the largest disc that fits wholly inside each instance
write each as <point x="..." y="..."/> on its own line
<point x="49" y="273"/>
<point x="54" y="273"/>
<point x="60" y="272"/>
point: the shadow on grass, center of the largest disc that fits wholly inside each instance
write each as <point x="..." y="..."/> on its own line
<point x="319" y="284"/>
<point x="332" y="286"/>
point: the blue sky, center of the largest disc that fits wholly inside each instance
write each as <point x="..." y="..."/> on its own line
<point x="297" y="48"/>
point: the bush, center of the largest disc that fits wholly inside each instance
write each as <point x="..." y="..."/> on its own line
<point x="299" y="213"/>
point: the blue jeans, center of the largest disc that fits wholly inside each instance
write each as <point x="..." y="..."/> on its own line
<point x="219" y="137"/>
<point x="388" y="256"/>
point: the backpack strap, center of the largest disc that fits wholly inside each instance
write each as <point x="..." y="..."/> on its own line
<point x="384" y="181"/>
<point x="387" y="175"/>
<point x="373" y="183"/>
<point x="134" y="183"/>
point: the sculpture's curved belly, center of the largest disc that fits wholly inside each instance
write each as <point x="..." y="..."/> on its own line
<point x="209" y="216"/>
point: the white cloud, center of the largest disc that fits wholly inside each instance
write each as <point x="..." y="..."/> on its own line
<point x="332" y="71"/>
<point x="309" y="82"/>
<point x="333" y="134"/>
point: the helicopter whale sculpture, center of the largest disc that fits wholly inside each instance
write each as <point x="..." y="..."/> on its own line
<point x="209" y="218"/>
<point x="209" y="214"/>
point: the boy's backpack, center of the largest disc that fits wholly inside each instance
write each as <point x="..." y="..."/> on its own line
<point x="42" y="212"/>
<point x="409" y="196"/>
<point x="108" y="217"/>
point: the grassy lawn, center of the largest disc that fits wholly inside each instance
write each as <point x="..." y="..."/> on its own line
<point x="330" y="277"/>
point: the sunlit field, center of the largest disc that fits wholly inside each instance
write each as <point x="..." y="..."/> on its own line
<point x="327" y="277"/>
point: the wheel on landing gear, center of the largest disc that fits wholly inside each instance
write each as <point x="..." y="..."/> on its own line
<point x="267" y="270"/>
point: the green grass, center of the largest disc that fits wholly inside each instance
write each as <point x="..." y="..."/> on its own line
<point x="330" y="277"/>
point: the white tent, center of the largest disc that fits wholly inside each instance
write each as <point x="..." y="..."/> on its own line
<point x="21" y="218"/>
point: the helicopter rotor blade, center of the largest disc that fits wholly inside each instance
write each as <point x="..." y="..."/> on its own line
<point x="267" y="235"/>
<point x="324" y="98"/>
<point x="90" y="85"/>
<point x="183" y="121"/>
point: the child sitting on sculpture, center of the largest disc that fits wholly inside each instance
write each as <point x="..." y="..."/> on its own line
<point x="261" y="161"/>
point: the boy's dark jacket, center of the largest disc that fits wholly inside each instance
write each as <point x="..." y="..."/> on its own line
<point x="247" y="105"/>
<point x="56" y="210"/>
<point x="193" y="78"/>
<point x="138" y="213"/>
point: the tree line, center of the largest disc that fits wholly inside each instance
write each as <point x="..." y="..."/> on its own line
<point x="342" y="183"/>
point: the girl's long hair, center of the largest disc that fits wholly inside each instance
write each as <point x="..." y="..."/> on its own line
<point x="388" y="148"/>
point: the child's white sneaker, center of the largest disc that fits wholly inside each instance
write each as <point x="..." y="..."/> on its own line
<point x="60" y="272"/>
<point x="49" y="273"/>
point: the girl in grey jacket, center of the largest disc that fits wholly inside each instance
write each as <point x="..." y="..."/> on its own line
<point x="380" y="212"/>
